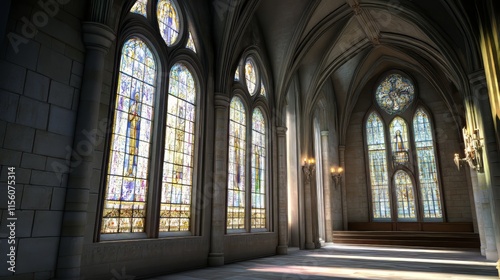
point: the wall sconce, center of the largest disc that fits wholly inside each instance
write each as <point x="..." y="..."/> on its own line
<point x="336" y="175"/>
<point x="473" y="151"/>
<point x="308" y="168"/>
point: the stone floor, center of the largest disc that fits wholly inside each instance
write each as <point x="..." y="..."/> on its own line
<point x="354" y="262"/>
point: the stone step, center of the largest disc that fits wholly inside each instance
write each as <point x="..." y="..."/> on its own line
<point x="406" y="238"/>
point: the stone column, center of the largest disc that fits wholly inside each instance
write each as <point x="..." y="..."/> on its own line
<point x="282" y="248"/>
<point x="216" y="255"/>
<point x="343" y="191"/>
<point x="327" y="186"/>
<point x="97" y="38"/>
<point x="308" y="170"/>
<point x="477" y="193"/>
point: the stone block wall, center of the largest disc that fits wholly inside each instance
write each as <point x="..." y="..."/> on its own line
<point x="40" y="75"/>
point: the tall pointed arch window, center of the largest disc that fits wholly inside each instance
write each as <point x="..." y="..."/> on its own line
<point x="247" y="195"/>
<point x="128" y="166"/>
<point x="377" y="159"/>
<point x="152" y="148"/>
<point x="405" y="186"/>
<point x="236" y="170"/>
<point x="259" y="163"/>
<point x="427" y="170"/>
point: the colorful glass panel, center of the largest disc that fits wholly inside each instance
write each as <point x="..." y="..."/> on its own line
<point x="236" y="166"/>
<point x="378" y="167"/>
<point x="251" y="76"/>
<point x="168" y="21"/>
<point x="262" y="89"/>
<point x="237" y="74"/>
<point x="127" y="172"/>
<point x="427" y="170"/>
<point x="399" y="137"/>
<point x="395" y="94"/>
<point x="190" y="43"/>
<point x="259" y="154"/>
<point x="139" y="7"/>
<point x="178" y="163"/>
<point x="404" y="195"/>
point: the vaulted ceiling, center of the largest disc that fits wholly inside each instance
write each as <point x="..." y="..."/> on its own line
<point x="345" y="42"/>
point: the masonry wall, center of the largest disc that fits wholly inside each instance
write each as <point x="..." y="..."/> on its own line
<point x="40" y="76"/>
<point x="456" y="190"/>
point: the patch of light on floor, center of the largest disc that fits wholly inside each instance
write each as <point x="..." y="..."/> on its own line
<point x="404" y="259"/>
<point x="362" y="273"/>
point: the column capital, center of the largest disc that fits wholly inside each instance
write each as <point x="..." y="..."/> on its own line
<point x="325" y="133"/>
<point x="97" y="36"/>
<point x="281" y="130"/>
<point x="221" y="100"/>
<point x="477" y="79"/>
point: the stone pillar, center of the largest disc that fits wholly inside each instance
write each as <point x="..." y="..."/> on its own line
<point x="327" y="186"/>
<point x="97" y="38"/>
<point x="282" y="248"/>
<point x="216" y="255"/>
<point x="308" y="170"/>
<point x="343" y="191"/>
<point x="477" y="193"/>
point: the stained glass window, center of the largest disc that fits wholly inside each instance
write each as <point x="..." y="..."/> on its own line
<point x="236" y="166"/>
<point x="127" y="175"/>
<point x="399" y="137"/>
<point x="404" y="195"/>
<point x="190" y="43"/>
<point x="168" y="21"/>
<point x="237" y="74"/>
<point x="258" y="170"/>
<point x="395" y="94"/>
<point x="139" y="7"/>
<point x="427" y="171"/>
<point x="378" y="167"/>
<point x="177" y="182"/>
<point x="250" y="76"/>
<point x="262" y="89"/>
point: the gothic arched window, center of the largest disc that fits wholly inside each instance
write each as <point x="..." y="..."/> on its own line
<point x="153" y="131"/>
<point x="401" y="188"/>
<point x="247" y="199"/>
<point x="427" y="171"/>
<point x="377" y="162"/>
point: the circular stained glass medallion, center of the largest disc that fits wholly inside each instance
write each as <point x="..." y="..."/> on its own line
<point x="395" y="94"/>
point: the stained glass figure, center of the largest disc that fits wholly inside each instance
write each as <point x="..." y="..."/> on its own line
<point x="404" y="195"/>
<point x="190" y="43"/>
<point x="178" y="163"/>
<point x="395" y="94"/>
<point x="378" y="167"/>
<point x="139" y="7"/>
<point x="262" y="89"/>
<point x="250" y="76"/>
<point x="399" y="137"/>
<point x="168" y="21"/>
<point x="127" y="175"/>
<point x="427" y="171"/>
<point x="236" y="166"/>
<point x="258" y="215"/>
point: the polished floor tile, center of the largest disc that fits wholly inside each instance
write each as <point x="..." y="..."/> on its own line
<point x="354" y="262"/>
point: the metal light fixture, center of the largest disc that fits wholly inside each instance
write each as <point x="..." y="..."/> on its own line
<point x="473" y="151"/>
<point x="336" y="174"/>
<point x="308" y="168"/>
